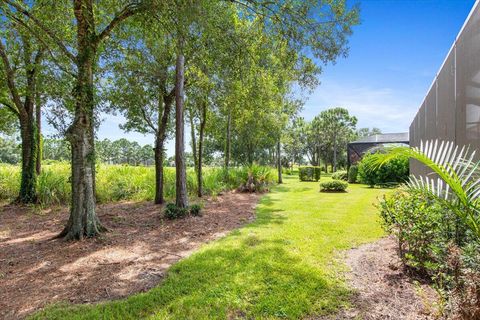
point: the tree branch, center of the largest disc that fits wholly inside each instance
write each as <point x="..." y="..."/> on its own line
<point x="47" y="31"/>
<point x="126" y="12"/>
<point x="10" y="77"/>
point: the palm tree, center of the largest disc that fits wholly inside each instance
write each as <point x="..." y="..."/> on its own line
<point x="454" y="180"/>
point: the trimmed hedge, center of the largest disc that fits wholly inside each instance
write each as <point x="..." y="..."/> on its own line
<point x="340" y="175"/>
<point x="391" y="173"/>
<point x="309" y="173"/>
<point x="334" y="185"/>
<point x="352" y="174"/>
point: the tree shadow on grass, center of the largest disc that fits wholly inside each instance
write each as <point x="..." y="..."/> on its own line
<point x="251" y="277"/>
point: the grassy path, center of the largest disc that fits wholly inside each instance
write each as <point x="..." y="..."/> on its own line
<point x="280" y="266"/>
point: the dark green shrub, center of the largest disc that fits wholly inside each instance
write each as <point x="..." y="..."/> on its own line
<point x="173" y="212"/>
<point x="393" y="172"/>
<point x="340" y="175"/>
<point x="352" y="174"/>
<point x="433" y="242"/>
<point x="195" y="210"/>
<point x="309" y="173"/>
<point x="334" y="185"/>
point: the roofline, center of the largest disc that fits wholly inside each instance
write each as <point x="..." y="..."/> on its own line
<point x="452" y="47"/>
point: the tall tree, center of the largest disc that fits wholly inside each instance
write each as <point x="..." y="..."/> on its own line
<point x="21" y="56"/>
<point x="82" y="54"/>
<point x="338" y="127"/>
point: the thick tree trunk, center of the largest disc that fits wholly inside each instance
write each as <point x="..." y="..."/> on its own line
<point x="181" y="175"/>
<point x="279" y="162"/>
<point x="83" y="220"/>
<point x="29" y="153"/>
<point x="203" y="121"/>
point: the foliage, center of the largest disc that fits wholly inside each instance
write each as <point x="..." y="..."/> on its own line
<point x="391" y="172"/>
<point x="10" y="151"/>
<point x="437" y="221"/>
<point x="173" y="212"/>
<point x="334" y="185"/>
<point x="195" y="210"/>
<point x="256" y="179"/>
<point x="352" y="173"/>
<point x="309" y="173"/>
<point x="265" y="270"/>
<point x="123" y="182"/>
<point x="340" y="175"/>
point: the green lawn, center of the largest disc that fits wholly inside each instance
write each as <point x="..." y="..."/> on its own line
<point x="283" y="265"/>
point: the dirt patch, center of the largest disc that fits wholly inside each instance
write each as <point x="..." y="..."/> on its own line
<point x="383" y="289"/>
<point x="132" y="257"/>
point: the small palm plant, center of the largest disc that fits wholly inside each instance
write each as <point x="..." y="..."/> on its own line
<point x="454" y="180"/>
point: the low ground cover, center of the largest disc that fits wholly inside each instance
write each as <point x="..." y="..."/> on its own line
<point x="281" y="265"/>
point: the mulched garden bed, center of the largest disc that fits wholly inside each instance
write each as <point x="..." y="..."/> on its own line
<point x="132" y="257"/>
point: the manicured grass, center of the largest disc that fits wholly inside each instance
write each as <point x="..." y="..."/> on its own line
<point x="283" y="265"/>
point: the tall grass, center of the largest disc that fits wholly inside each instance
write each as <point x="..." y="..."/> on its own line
<point x="123" y="182"/>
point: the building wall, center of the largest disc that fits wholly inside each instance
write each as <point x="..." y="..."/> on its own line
<point x="451" y="108"/>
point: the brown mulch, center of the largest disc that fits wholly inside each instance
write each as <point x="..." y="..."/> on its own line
<point x="383" y="290"/>
<point x="132" y="257"/>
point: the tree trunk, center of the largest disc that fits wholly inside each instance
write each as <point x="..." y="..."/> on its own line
<point x="194" y="141"/>
<point x="159" y="145"/>
<point x="38" y="117"/>
<point x="279" y="162"/>
<point x="203" y="121"/>
<point x="180" y="170"/>
<point x="334" y="154"/>
<point x="29" y="153"/>
<point x="83" y="220"/>
<point x="227" y="140"/>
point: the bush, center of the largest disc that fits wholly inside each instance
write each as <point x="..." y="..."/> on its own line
<point x="173" y="212"/>
<point x="340" y="175"/>
<point x="352" y="174"/>
<point x="195" y="210"/>
<point x="393" y="172"/>
<point x="335" y="185"/>
<point x="309" y="173"/>
<point x="434" y="243"/>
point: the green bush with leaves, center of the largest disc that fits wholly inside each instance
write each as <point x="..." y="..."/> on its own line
<point x="309" y="173"/>
<point x="437" y="221"/>
<point x="352" y="174"/>
<point x="333" y="186"/>
<point x="391" y="173"/>
<point x="340" y="175"/>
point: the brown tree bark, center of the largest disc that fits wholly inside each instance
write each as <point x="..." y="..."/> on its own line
<point x="203" y="121"/>
<point x="279" y="162"/>
<point x="194" y="141"/>
<point x="38" y="118"/>
<point x="228" y="138"/>
<point x="83" y="220"/>
<point x="180" y="169"/>
<point x="159" y="146"/>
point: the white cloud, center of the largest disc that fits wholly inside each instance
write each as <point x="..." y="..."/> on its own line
<point x="384" y="108"/>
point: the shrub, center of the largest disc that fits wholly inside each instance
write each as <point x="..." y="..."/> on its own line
<point x="340" y="175"/>
<point x="256" y="178"/>
<point x="352" y="174"/>
<point x="432" y="242"/>
<point x="392" y="172"/>
<point x="334" y="185"/>
<point x="173" y="212"/>
<point x="309" y="173"/>
<point x="195" y="210"/>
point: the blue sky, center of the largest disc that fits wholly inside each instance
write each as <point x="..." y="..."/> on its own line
<point x="394" y="56"/>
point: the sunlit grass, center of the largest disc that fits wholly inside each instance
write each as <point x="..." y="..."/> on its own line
<point x="283" y="265"/>
<point x="122" y="182"/>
